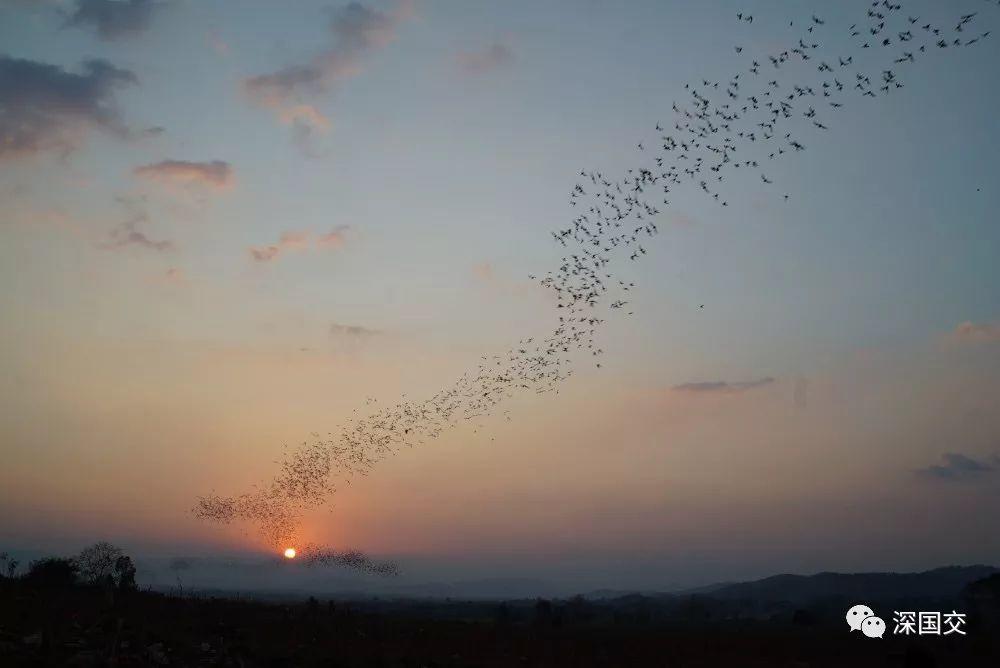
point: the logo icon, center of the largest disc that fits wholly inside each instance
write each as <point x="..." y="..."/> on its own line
<point x="873" y="627"/>
<point x="858" y="614"/>
<point x="862" y="618"/>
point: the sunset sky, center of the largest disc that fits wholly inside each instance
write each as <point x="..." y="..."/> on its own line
<point x="226" y="224"/>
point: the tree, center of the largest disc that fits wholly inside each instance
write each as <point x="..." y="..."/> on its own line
<point x="543" y="611"/>
<point x="52" y="572"/>
<point x="125" y="573"/>
<point x="8" y="565"/>
<point x="97" y="562"/>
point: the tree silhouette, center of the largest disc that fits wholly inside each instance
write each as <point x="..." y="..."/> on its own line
<point x="52" y="572"/>
<point x="97" y="562"/>
<point x="543" y="612"/>
<point x="8" y="565"/>
<point x="125" y="573"/>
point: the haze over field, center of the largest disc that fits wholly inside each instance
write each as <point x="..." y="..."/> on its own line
<point x="224" y="230"/>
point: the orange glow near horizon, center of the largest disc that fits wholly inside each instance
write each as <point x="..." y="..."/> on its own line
<point x="290" y="553"/>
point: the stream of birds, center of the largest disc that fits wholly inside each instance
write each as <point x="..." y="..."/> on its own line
<point x="719" y="129"/>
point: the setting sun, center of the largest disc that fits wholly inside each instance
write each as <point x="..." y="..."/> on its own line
<point x="290" y="553"/>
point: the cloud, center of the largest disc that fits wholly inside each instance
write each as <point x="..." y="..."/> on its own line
<point x="305" y="117"/>
<point x="356" y="31"/>
<point x="288" y="241"/>
<point x="959" y="467"/>
<point x="307" y="123"/>
<point x="175" y="276"/>
<point x="264" y="253"/>
<point x="335" y="238"/>
<point x="114" y="19"/>
<point x="485" y="61"/>
<point x="971" y="333"/>
<point x="218" y="44"/>
<point x="46" y="108"/>
<point x="722" y="386"/>
<point x="296" y="240"/>
<point x="484" y="271"/>
<point x="127" y="234"/>
<point x="351" y="331"/>
<point x="216" y="174"/>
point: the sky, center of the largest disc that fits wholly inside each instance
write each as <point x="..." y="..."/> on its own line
<point x="226" y="225"/>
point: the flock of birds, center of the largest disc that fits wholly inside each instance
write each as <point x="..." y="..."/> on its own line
<point x="315" y="555"/>
<point x="722" y="129"/>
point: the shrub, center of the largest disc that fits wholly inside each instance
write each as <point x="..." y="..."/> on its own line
<point x="52" y="572"/>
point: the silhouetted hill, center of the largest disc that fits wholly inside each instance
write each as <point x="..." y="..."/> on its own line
<point x="940" y="583"/>
<point x="943" y="582"/>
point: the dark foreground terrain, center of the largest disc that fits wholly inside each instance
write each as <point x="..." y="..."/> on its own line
<point x="90" y="626"/>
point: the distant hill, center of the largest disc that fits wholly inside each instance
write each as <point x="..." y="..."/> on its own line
<point x="800" y="589"/>
<point x="797" y="590"/>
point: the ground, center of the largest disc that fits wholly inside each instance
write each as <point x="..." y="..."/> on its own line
<point x="90" y="627"/>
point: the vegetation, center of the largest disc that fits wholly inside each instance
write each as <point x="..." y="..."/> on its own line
<point x="100" y="565"/>
<point x="8" y="566"/>
<point x="52" y="572"/>
<point x="59" y="613"/>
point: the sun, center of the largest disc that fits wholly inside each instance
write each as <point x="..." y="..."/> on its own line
<point x="290" y="553"/>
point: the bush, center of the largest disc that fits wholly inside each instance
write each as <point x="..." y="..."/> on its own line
<point x="52" y="573"/>
<point x="124" y="575"/>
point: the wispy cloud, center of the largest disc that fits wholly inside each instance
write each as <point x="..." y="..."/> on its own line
<point x="304" y="115"/>
<point x="722" y="386"/>
<point x="217" y="43"/>
<point x="959" y="467"/>
<point x="288" y="241"/>
<point x="971" y="333"/>
<point x="46" y="108"/>
<point x="335" y="238"/>
<point x="356" y="31"/>
<point x="173" y="277"/>
<point x="265" y="253"/>
<point x="350" y="339"/>
<point x="128" y="234"/>
<point x="114" y="19"/>
<point x="216" y="174"/>
<point x="351" y="331"/>
<point x="292" y="241"/>
<point x="487" y="60"/>
<point x="484" y="271"/>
